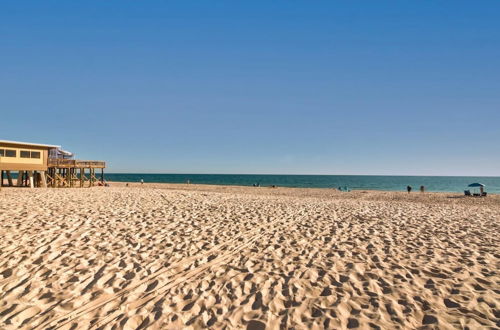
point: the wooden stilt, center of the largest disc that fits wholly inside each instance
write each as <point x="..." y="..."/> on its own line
<point x="32" y="184"/>
<point x="9" y="178"/>
<point x="20" y="178"/>
<point x="44" y="179"/>
<point x="61" y="178"/>
<point x="1" y="178"/>
<point x="94" y="177"/>
<point x="48" y="176"/>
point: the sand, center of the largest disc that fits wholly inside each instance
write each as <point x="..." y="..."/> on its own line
<point x="187" y="256"/>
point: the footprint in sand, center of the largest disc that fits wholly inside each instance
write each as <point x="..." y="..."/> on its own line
<point x="256" y="325"/>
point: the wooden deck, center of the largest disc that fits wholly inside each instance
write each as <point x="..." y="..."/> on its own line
<point x="74" y="173"/>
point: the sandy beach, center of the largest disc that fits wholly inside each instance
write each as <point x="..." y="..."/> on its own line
<point x="165" y="256"/>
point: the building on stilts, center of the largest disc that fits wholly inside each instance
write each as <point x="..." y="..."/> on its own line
<point x="45" y="165"/>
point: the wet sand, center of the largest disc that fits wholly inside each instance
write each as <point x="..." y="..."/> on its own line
<point x="180" y="256"/>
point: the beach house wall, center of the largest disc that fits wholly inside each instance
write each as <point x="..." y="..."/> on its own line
<point x="15" y="156"/>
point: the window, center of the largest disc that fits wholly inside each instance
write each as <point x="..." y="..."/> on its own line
<point x="35" y="154"/>
<point x="10" y="153"/>
<point x="2" y="152"/>
<point x="25" y="154"/>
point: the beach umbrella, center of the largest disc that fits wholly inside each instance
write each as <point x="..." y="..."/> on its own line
<point x="476" y="185"/>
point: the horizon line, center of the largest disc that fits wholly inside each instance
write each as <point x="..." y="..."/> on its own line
<point x="298" y="174"/>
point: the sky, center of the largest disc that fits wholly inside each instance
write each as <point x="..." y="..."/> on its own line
<point x="283" y="87"/>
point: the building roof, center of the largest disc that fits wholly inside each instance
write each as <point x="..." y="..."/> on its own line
<point x="30" y="144"/>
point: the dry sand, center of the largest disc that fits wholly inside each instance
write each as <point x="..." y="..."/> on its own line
<point x="179" y="256"/>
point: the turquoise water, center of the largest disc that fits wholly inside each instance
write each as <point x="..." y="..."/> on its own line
<point x="372" y="182"/>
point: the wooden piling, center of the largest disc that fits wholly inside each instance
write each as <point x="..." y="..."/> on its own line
<point x="20" y="178"/>
<point x="44" y="179"/>
<point x="32" y="183"/>
<point x="9" y="178"/>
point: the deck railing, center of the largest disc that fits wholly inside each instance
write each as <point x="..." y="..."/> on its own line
<point x="55" y="162"/>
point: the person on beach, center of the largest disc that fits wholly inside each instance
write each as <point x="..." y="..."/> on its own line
<point x="142" y="181"/>
<point x="422" y="189"/>
<point x="408" y="188"/>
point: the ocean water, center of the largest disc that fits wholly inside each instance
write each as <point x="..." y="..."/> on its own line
<point x="371" y="182"/>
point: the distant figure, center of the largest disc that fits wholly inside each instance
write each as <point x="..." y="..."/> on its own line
<point x="188" y="181"/>
<point x="422" y="189"/>
<point x="408" y="188"/>
<point x="339" y="188"/>
<point x="142" y="181"/>
<point x="126" y="185"/>
<point x="481" y="190"/>
<point x="258" y="184"/>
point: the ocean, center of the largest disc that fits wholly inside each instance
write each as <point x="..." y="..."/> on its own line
<point x="369" y="182"/>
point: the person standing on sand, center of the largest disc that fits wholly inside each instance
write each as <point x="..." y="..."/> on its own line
<point x="422" y="189"/>
<point x="142" y="181"/>
<point x="408" y="188"/>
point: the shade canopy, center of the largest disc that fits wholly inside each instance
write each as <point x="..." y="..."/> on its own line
<point x="476" y="184"/>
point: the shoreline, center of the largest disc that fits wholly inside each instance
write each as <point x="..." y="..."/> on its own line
<point x="354" y="182"/>
<point x="292" y="190"/>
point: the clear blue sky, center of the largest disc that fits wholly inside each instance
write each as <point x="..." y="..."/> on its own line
<point x="311" y="87"/>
